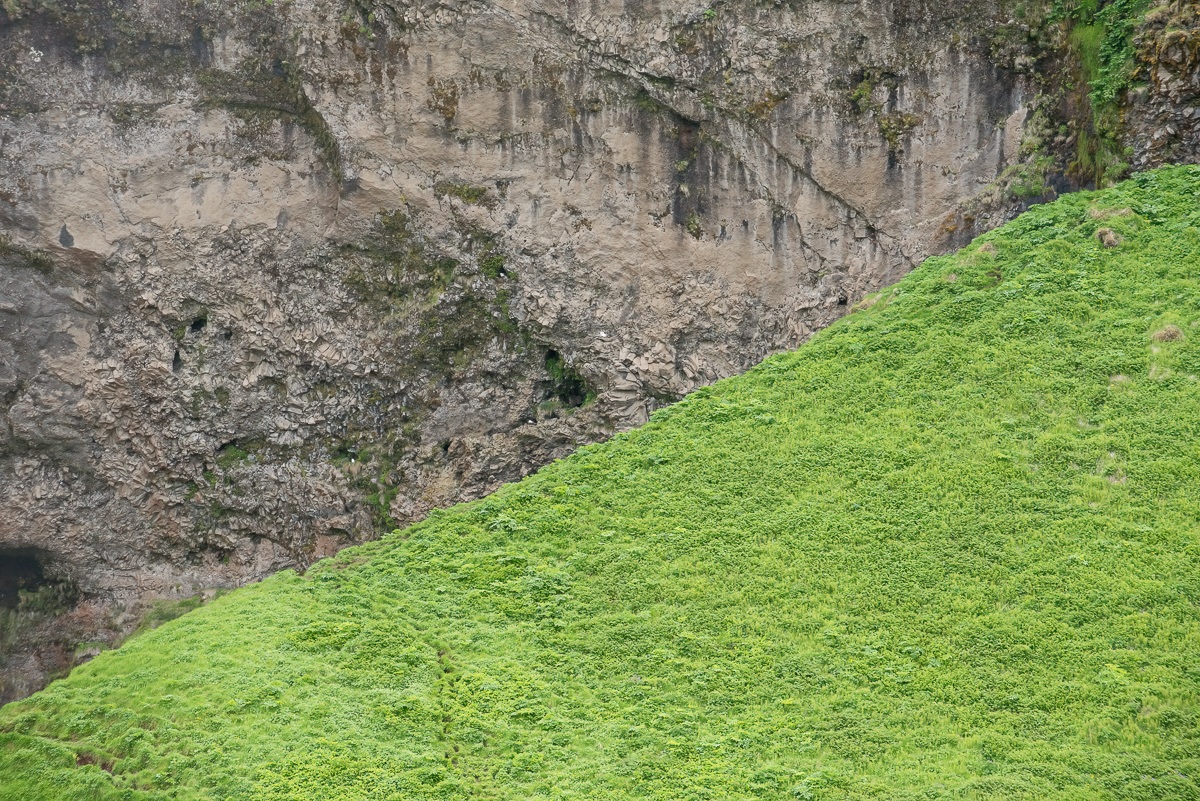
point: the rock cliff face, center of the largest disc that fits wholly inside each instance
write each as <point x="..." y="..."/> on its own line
<point x="275" y="277"/>
<point x="1164" y="113"/>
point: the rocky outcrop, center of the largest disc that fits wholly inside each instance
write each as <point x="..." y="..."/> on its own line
<point x="275" y="277"/>
<point x="1163" y="119"/>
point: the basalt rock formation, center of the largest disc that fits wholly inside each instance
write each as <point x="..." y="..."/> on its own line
<point x="1164" y="115"/>
<point x="277" y="276"/>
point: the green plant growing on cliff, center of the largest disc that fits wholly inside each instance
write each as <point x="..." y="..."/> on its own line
<point x="31" y="624"/>
<point x="231" y="456"/>
<point x="394" y="269"/>
<point x="13" y="256"/>
<point x="860" y="96"/>
<point x="440" y="324"/>
<point x="273" y="89"/>
<point x="488" y="255"/>
<point x="49" y="598"/>
<point x="1028" y="179"/>
<point x="646" y="102"/>
<point x="492" y="265"/>
<point x="164" y="611"/>
<point x="464" y="192"/>
<point x="761" y="109"/>
<point x="369" y="469"/>
<point x="862" y="93"/>
<point x="1101" y="41"/>
<point x="396" y="226"/>
<point x="443" y="98"/>
<point x="895" y="126"/>
<point x="567" y="385"/>
<point x="1110" y="57"/>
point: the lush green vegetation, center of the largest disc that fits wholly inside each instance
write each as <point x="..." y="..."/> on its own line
<point x="1104" y="32"/>
<point x="947" y="549"/>
<point x="1101" y="42"/>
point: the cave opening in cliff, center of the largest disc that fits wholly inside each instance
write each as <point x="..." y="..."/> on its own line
<point x="26" y="585"/>
<point x="19" y="570"/>
<point x="566" y="385"/>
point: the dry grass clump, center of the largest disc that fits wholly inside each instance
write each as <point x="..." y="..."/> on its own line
<point x="864" y="304"/>
<point x="1172" y="333"/>
<point x="1097" y="213"/>
<point x="1108" y="237"/>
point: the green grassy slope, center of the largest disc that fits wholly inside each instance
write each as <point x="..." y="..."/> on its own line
<point x="950" y="548"/>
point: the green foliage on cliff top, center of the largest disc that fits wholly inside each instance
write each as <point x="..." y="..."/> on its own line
<point x="1101" y="44"/>
<point x="947" y="549"/>
<point x="1104" y="32"/>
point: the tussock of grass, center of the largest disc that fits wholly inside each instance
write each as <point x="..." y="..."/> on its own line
<point x="947" y="549"/>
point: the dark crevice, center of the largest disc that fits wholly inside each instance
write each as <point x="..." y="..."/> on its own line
<point x="566" y="385"/>
<point x="622" y="68"/>
<point x="19" y="570"/>
<point x="10" y="397"/>
<point x="27" y="586"/>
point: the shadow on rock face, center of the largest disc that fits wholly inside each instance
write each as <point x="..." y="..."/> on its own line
<point x="36" y="622"/>
<point x="19" y="570"/>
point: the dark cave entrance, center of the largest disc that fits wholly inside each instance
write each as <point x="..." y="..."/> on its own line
<point x="19" y="570"/>
<point x="566" y="385"/>
<point x="26" y="587"/>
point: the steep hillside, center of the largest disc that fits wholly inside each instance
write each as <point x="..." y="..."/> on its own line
<point x="946" y="549"/>
<point x="276" y="277"/>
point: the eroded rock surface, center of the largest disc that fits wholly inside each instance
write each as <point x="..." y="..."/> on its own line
<point x="1164" y="114"/>
<point x="276" y="277"/>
